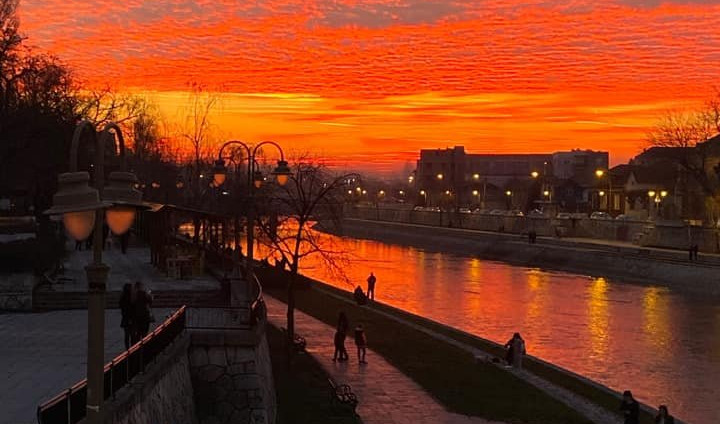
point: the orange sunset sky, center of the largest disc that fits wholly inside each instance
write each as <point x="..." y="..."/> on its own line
<point x="369" y="83"/>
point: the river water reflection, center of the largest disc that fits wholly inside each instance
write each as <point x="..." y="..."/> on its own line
<point x="663" y="345"/>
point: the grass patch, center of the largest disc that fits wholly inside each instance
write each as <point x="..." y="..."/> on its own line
<point x="448" y="373"/>
<point x="303" y="393"/>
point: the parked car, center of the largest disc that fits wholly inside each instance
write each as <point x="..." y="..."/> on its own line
<point x="536" y="213"/>
<point x="515" y="212"/>
<point x="623" y="217"/>
<point x="497" y="212"/>
<point x="481" y="211"/>
<point x="600" y="215"/>
<point x="563" y="215"/>
<point x="418" y="208"/>
<point x="464" y="210"/>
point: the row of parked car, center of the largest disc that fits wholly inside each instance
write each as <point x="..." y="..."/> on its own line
<point x="535" y="213"/>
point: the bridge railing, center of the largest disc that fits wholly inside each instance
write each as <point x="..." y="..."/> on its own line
<point x="68" y="407"/>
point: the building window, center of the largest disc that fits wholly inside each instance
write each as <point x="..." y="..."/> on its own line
<point x="616" y="202"/>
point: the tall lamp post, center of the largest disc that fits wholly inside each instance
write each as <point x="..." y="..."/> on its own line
<point x="82" y="211"/>
<point x="254" y="181"/>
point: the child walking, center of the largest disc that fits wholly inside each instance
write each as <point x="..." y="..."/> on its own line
<point x="361" y="343"/>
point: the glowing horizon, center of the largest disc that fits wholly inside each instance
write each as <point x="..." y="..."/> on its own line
<point x="369" y="83"/>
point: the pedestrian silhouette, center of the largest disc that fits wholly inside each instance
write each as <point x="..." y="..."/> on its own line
<point x="515" y="351"/>
<point x="663" y="416"/>
<point x="361" y="343"/>
<point x="340" y="335"/>
<point x="127" y="309"/>
<point x="371" y="286"/>
<point x="630" y="408"/>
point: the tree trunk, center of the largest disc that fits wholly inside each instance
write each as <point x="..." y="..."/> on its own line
<point x="291" y="315"/>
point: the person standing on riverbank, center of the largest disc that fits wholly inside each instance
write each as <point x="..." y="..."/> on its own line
<point x="371" y="286"/>
<point x="663" y="416"/>
<point x="630" y="408"/>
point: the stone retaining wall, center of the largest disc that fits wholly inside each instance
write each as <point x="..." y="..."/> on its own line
<point x="232" y="377"/>
<point x="163" y="394"/>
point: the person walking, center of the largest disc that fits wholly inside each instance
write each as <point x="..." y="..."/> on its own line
<point x="371" y="286"/>
<point x="515" y="350"/>
<point x="340" y="335"/>
<point x="126" y="305"/>
<point x="143" y="315"/>
<point x="359" y="296"/>
<point x="630" y="408"/>
<point x="361" y="343"/>
<point x="663" y="416"/>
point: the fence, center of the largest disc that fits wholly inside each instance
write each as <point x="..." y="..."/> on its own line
<point x="69" y="407"/>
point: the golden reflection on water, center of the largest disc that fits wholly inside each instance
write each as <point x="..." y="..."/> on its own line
<point x="598" y="318"/>
<point x="656" y="325"/>
<point x="664" y="347"/>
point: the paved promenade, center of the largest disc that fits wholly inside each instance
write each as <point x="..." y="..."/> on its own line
<point x="127" y="268"/>
<point x="385" y="394"/>
<point x="42" y="354"/>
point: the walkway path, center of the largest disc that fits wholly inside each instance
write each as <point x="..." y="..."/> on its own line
<point x="594" y="412"/>
<point x="385" y="394"/>
<point x="43" y="354"/>
<point x="127" y="268"/>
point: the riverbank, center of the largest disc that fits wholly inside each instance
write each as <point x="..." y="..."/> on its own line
<point x="633" y="264"/>
<point x="450" y="374"/>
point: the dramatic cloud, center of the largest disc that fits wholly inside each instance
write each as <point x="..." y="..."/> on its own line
<point x="600" y="70"/>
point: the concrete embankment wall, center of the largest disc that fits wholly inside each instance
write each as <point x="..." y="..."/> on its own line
<point x="163" y="394"/>
<point x="663" y="234"/>
<point x="632" y="264"/>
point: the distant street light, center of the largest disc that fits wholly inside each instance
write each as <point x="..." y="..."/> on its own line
<point x="254" y="181"/>
<point x="402" y="193"/>
<point x="476" y="176"/>
<point x="508" y="193"/>
<point x="475" y="192"/>
<point x="534" y="174"/>
<point x="600" y="173"/>
<point x="439" y="176"/>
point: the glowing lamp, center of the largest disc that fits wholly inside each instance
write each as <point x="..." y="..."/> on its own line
<point x="439" y="176"/>
<point x="77" y="202"/>
<point x="282" y="172"/>
<point x="120" y="218"/>
<point x="258" y="179"/>
<point x="663" y="193"/>
<point x="534" y="174"/>
<point x="219" y="172"/>
<point x="651" y="193"/>
<point x="599" y="173"/>
<point x="508" y="193"/>
<point x="125" y="201"/>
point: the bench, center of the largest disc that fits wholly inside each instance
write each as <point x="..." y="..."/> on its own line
<point x="341" y="395"/>
<point x="299" y="342"/>
<point x="52" y="277"/>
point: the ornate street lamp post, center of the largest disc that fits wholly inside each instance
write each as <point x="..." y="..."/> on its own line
<point x="82" y="211"/>
<point x="254" y="181"/>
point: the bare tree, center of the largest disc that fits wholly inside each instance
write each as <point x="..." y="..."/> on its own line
<point x="196" y="127"/>
<point x="687" y="130"/>
<point x="312" y="193"/>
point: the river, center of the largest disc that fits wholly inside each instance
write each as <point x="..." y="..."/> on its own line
<point x="661" y="344"/>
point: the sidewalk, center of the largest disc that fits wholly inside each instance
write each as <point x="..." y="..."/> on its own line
<point x="127" y="268"/>
<point x="385" y="394"/>
<point x="44" y="353"/>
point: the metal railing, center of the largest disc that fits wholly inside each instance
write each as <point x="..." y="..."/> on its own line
<point x="68" y="407"/>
